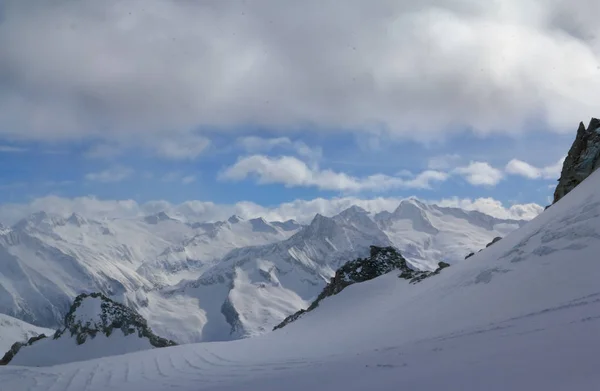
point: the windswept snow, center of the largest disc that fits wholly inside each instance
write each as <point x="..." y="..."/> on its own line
<point x="523" y="314"/>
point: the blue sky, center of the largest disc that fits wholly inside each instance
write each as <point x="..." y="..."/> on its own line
<point x="32" y="170"/>
<point x="225" y="103"/>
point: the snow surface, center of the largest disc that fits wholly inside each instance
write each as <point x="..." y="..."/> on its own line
<point x="50" y="351"/>
<point x="14" y="330"/>
<point x="523" y="314"/>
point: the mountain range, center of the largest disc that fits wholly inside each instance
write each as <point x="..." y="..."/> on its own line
<point x="209" y="281"/>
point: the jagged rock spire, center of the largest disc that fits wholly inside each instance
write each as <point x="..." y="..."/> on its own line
<point x="582" y="160"/>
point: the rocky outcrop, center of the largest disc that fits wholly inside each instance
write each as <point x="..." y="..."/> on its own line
<point x="496" y="239"/>
<point x="82" y="324"/>
<point x="582" y="160"/>
<point x="382" y="260"/>
<point x="93" y="314"/>
<point x="14" y="349"/>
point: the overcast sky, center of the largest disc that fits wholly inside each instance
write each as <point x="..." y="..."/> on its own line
<point x="276" y="101"/>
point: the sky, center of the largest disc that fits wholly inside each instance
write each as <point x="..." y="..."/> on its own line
<point x="288" y="109"/>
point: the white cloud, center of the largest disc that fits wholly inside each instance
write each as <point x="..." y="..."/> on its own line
<point x="113" y="174"/>
<point x="293" y="172"/>
<point x="494" y="207"/>
<point x="519" y="167"/>
<point x="102" y="69"/>
<point x="254" y="144"/>
<point x="181" y="148"/>
<point x="444" y="162"/>
<point x="480" y="174"/>
<point x="11" y="149"/>
<point x="300" y="210"/>
<point x="186" y="180"/>
<point x="176" y="176"/>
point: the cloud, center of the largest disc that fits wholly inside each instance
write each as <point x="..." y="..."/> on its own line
<point x="494" y="207"/>
<point x="11" y="149"/>
<point x="186" y="180"/>
<point x="185" y="147"/>
<point x="114" y="174"/>
<point x="519" y="167"/>
<point x="292" y="172"/>
<point x="109" y="70"/>
<point x="176" y="176"/>
<point x="194" y="210"/>
<point x="444" y="162"/>
<point x="254" y="144"/>
<point x="480" y="174"/>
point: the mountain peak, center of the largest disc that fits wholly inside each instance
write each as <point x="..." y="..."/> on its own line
<point x="353" y="210"/>
<point x="39" y="219"/>
<point x="261" y="225"/>
<point x="157" y="218"/>
<point x="77" y="220"/>
<point x="582" y="160"/>
<point x="235" y="219"/>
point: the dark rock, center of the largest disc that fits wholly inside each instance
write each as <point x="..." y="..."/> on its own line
<point x="113" y="316"/>
<point x="14" y="349"/>
<point x="381" y="261"/>
<point x="496" y="239"/>
<point x="582" y="160"/>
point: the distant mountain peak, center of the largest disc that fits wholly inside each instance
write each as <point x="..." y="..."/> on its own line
<point x="235" y="219"/>
<point x="158" y="217"/>
<point x="77" y="220"/>
<point x="261" y="225"/>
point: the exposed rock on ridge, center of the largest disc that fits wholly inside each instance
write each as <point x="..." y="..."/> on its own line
<point x="496" y="239"/>
<point x="95" y="313"/>
<point x="582" y="160"/>
<point x="381" y="261"/>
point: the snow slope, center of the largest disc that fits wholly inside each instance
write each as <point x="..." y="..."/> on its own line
<point x="14" y="330"/>
<point x="523" y="314"/>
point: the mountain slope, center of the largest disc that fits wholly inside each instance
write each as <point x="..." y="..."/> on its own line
<point x="522" y="314"/>
<point x="47" y="260"/>
<point x="14" y="330"/>
<point x="429" y="234"/>
<point x="253" y="288"/>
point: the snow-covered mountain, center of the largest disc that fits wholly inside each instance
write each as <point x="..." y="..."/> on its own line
<point x="427" y="234"/>
<point x="47" y="260"/>
<point x="221" y="280"/>
<point x="523" y="314"/>
<point x="15" y="330"/>
<point x="254" y="288"/>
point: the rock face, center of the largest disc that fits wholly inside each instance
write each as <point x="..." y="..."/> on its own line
<point x="94" y="314"/>
<point x="382" y="260"/>
<point x="582" y="160"/>
<point x="14" y="349"/>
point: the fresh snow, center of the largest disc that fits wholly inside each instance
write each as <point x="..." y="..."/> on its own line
<point x="14" y="330"/>
<point x="50" y="351"/>
<point x="523" y="314"/>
